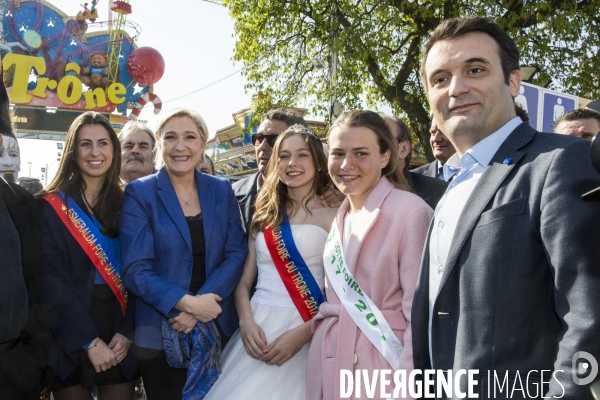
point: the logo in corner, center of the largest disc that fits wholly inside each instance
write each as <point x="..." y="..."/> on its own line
<point x="580" y="367"/>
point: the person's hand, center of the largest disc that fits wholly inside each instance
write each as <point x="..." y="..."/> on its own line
<point x="120" y="346"/>
<point x="254" y="338"/>
<point x="285" y="347"/>
<point x="184" y="322"/>
<point x="102" y="357"/>
<point x="332" y="198"/>
<point x="205" y="307"/>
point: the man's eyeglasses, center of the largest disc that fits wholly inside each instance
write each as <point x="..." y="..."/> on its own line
<point x="257" y="139"/>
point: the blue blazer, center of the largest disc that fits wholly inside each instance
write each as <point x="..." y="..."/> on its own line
<point x="156" y="250"/>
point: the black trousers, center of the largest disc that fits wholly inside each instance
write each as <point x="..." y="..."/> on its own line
<point x="161" y="382"/>
<point x="20" y="376"/>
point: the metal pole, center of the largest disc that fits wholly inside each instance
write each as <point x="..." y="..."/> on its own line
<point x="110" y="14"/>
<point x="46" y="176"/>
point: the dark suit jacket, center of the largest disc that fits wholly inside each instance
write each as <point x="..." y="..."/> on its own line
<point x="20" y="251"/>
<point x="13" y="295"/>
<point x="245" y="192"/>
<point x="427" y="170"/>
<point x="429" y="189"/>
<point x="24" y="211"/>
<point x="520" y="289"/>
<point x="67" y="285"/>
<point x="156" y="250"/>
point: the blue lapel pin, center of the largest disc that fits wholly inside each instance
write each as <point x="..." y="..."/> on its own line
<point x="507" y="161"/>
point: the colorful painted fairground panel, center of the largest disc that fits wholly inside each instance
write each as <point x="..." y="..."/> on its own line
<point x="51" y="59"/>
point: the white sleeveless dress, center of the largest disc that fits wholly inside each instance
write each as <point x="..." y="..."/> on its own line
<point x="242" y="376"/>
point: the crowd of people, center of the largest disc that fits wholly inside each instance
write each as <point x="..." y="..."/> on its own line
<point x="135" y="261"/>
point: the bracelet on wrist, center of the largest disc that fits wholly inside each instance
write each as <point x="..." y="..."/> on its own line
<point x="93" y="344"/>
<point x="241" y="323"/>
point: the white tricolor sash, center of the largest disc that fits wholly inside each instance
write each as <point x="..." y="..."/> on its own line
<point x="361" y="308"/>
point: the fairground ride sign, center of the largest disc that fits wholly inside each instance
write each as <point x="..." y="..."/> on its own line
<point x="68" y="88"/>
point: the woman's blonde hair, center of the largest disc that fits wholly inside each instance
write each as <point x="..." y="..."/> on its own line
<point x="273" y="195"/>
<point x="166" y="117"/>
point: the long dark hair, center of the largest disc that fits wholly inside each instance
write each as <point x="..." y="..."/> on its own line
<point x="69" y="179"/>
<point x="273" y="195"/>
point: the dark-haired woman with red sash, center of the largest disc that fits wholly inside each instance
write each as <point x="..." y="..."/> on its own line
<point x="266" y="358"/>
<point x="83" y="297"/>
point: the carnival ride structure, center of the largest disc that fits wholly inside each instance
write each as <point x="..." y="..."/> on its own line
<point x="76" y="47"/>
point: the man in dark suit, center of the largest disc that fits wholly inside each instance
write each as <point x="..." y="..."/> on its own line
<point x="442" y="150"/>
<point x="274" y="122"/>
<point x="23" y="333"/>
<point x="429" y="189"/>
<point x="509" y="283"/>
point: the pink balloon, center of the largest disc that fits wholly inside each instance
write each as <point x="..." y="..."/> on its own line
<point x="146" y="65"/>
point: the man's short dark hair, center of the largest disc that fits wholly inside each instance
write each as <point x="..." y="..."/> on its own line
<point x="33" y="185"/>
<point x="285" y="115"/>
<point x="580" y="113"/>
<point x="456" y="27"/>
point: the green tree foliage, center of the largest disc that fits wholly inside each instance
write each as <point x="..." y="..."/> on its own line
<point x="378" y="45"/>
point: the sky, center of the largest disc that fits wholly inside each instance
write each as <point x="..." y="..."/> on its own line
<point x="195" y="38"/>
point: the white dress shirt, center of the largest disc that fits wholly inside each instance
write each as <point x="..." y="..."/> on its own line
<point x="448" y="211"/>
<point x="451" y="168"/>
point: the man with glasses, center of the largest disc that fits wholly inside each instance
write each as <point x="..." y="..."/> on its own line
<point x="273" y="123"/>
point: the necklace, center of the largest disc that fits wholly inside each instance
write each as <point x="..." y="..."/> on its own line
<point x="88" y="202"/>
<point x="187" y="203"/>
<point x="92" y="198"/>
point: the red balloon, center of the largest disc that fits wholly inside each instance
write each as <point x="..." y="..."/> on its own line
<point x="146" y="65"/>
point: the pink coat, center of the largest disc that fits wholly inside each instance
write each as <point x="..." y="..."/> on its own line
<point x="384" y="256"/>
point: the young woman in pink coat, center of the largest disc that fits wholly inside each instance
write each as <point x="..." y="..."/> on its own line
<point x="382" y="228"/>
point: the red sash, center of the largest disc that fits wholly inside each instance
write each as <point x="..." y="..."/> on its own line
<point x="92" y="243"/>
<point x="297" y="278"/>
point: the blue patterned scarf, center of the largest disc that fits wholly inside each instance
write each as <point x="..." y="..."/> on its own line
<point x="199" y="352"/>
